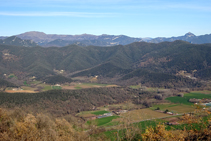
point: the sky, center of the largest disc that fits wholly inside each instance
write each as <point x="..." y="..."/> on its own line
<point x="135" y="18"/>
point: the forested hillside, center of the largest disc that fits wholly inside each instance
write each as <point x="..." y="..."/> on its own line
<point x="62" y="102"/>
<point x="119" y="61"/>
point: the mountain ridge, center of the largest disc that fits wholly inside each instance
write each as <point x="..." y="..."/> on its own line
<point x="13" y="40"/>
<point x="57" y="40"/>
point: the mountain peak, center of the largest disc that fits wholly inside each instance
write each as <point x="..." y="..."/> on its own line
<point x="33" y="33"/>
<point x="189" y="34"/>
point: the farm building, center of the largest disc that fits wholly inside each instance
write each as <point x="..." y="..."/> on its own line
<point x="170" y="113"/>
<point x="105" y="115"/>
<point x="120" y="111"/>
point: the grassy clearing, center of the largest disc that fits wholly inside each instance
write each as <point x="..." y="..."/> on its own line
<point x="77" y="87"/>
<point x="73" y="85"/>
<point x="25" y="83"/>
<point x="56" y="87"/>
<point x="36" y="82"/>
<point x="135" y="86"/>
<point x="182" y="100"/>
<point x="112" y="123"/>
<point x="97" y="84"/>
<point x="103" y="121"/>
<point x="28" y="88"/>
<point x="99" y="112"/>
<point x="185" y="99"/>
<point x="106" y="121"/>
<point x="12" y="75"/>
<point x="46" y="88"/>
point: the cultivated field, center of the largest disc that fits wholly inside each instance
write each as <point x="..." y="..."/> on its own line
<point x="35" y="85"/>
<point x="185" y="99"/>
<point x="141" y="114"/>
<point x="74" y="86"/>
<point x="175" y="108"/>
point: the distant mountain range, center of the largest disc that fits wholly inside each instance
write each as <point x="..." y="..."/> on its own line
<point x="189" y="37"/>
<point x="48" y="40"/>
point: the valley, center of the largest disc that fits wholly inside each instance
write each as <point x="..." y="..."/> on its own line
<point x="105" y="92"/>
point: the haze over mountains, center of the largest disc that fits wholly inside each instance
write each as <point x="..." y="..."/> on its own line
<point x="48" y="40"/>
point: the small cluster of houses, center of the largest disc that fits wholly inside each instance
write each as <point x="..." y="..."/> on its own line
<point x="205" y="104"/>
<point x="17" y="89"/>
<point x="107" y="114"/>
<point x="118" y="112"/>
<point x="170" y="113"/>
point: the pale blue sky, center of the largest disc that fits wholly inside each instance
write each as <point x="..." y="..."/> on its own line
<point x="135" y="18"/>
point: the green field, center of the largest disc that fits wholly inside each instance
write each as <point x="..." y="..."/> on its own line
<point x="163" y="106"/>
<point x="106" y="120"/>
<point x="12" y="75"/>
<point x="135" y="86"/>
<point x="56" y="87"/>
<point x="99" y="112"/>
<point x="46" y="88"/>
<point x="112" y="134"/>
<point x="78" y="88"/>
<point x="185" y="99"/>
<point x="25" y="83"/>
<point x="143" y="125"/>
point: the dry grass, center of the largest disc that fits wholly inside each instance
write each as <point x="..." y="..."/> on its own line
<point x="74" y="86"/>
<point x="20" y="91"/>
<point x="141" y="114"/>
<point x="172" y="119"/>
<point x="181" y="109"/>
<point x="68" y="87"/>
<point x="87" y="115"/>
<point x="28" y="88"/>
<point x="112" y="86"/>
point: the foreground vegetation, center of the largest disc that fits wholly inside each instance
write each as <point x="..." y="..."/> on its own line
<point x="18" y="125"/>
<point x="57" y="115"/>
